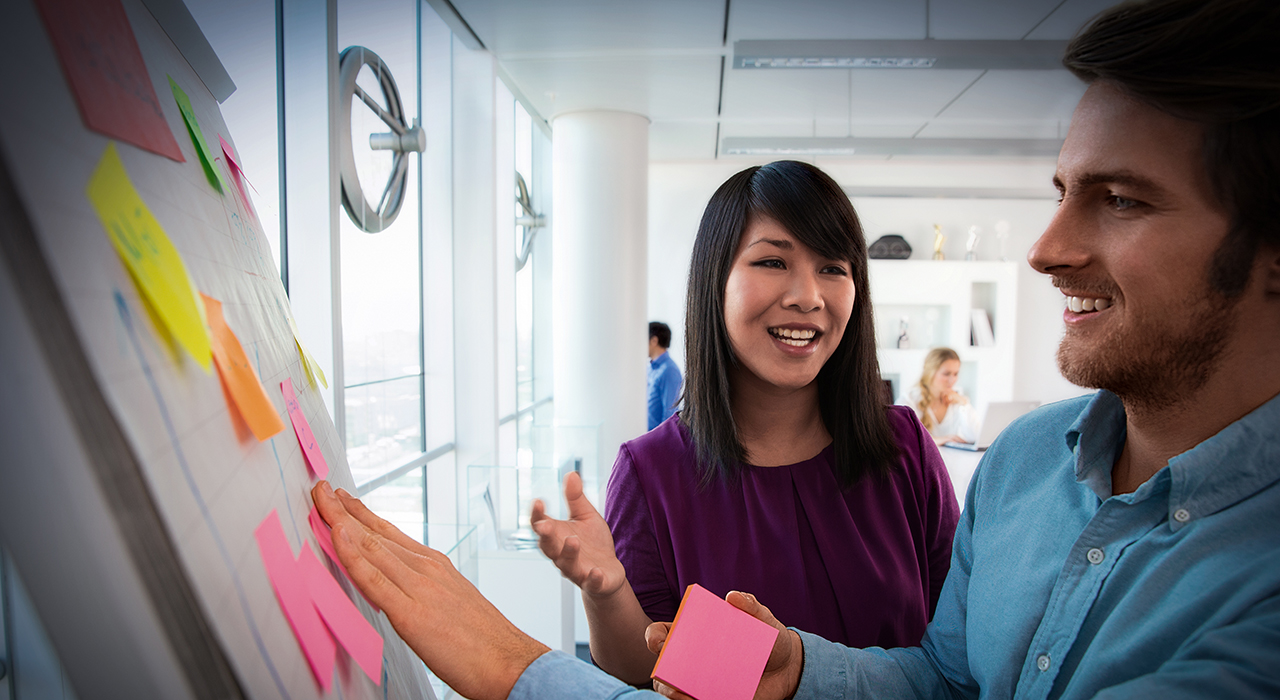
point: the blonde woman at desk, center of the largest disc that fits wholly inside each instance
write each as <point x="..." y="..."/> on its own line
<point x="945" y="412"/>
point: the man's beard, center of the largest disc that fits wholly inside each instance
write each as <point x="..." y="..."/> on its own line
<point x="1147" y="364"/>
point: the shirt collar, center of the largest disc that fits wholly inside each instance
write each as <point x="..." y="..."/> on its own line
<point x="1237" y="462"/>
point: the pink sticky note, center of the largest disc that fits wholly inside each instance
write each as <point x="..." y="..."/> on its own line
<point x="237" y="174"/>
<point x="714" y="650"/>
<point x="310" y="448"/>
<point x="291" y="589"/>
<point x="344" y="620"/>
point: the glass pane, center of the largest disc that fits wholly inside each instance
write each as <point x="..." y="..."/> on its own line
<point x="381" y="272"/>
<point x="384" y="427"/>
<point x="400" y="503"/>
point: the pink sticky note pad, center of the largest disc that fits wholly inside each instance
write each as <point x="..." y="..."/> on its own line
<point x="237" y="174"/>
<point x="295" y="598"/>
<point x="324" y="535"/>
<point x="344" y="620"/>
<point x="714" y="651"/>
<point x="310" y="448"/>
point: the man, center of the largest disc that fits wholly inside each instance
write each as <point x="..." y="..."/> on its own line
<point x="1125" y="544"/>
<point x="664" y="376"/>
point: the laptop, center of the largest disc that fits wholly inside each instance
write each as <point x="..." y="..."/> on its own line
<point x="999" y="415"/>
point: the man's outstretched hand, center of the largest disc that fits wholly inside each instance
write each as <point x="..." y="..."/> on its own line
<point x="443" y="618"/>
<point x="781" y="671"/>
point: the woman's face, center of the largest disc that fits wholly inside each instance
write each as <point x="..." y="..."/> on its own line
<point x="786" y="307"/>
<point x="944" y="379"/>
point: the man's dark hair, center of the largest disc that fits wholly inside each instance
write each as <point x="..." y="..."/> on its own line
<point x="1217" y="63"/>
<point x="813" y="209"/>
<point x="661" y="331"/>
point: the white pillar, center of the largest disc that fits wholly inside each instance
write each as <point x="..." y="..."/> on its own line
<point x="600" y="168"/>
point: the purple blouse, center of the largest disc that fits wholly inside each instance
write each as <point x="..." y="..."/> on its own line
<point x="862" y="567"/>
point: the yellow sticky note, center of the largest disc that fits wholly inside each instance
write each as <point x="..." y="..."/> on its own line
<point x="308" y="362"/>
<point x="152" y="260"/>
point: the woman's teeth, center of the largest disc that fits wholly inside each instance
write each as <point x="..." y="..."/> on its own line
<point x="798" y="338"/>
<point x="1084" y="304"/>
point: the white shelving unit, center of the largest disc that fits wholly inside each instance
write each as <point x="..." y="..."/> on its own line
<point x="937" y="299"/>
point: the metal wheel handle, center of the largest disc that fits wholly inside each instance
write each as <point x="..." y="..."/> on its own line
<point x="403" y="139"/>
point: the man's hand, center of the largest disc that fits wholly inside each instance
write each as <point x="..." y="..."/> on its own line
<point x="443" y="618"/>
<point x="781" y="671"/>
<point x="581" y="547"/>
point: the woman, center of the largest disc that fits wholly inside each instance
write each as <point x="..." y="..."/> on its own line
<point x="945" y="412"/>
<point x="784" y="475"/>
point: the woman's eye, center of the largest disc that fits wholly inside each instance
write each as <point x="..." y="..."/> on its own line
<point x="835" y="270"/>
<point x="771" y="263"/>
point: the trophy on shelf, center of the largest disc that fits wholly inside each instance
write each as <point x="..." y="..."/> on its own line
<point x="971" y="244"/>
<point x="904" y="341"/>
<point x="938" y="240"/>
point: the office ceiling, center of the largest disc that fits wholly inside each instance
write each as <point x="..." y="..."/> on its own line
<point x="662" y="59"/>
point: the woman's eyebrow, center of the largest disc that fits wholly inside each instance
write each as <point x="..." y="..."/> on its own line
<point x="776" y="242"/>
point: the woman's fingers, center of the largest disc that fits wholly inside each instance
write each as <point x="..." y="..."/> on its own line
<point x="655" y="636"/>
<point x="667" y="691"/>
<point x="580" y="507"/>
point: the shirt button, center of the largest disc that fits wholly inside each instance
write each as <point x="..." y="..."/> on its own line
<point x="1182" y="515"/>
<point x="1042" y="662"/>
<point x="1096" y="556"/>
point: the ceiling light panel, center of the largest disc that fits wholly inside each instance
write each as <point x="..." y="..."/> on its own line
<point x="906" y="55"/>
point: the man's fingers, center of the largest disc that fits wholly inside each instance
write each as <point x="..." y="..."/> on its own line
<point x="747" y="603"/>
<point x="370" y="520"/>
<point x="655" y="636"/>
<point x="368" y="574"/>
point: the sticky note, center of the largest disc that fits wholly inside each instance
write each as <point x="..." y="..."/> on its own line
<point x="150" y="257"/>
<point x="237" y="174"/>
<point x="324" y="535"/>
<point x="714" y="650"/>
<point x="310" y="449"/>
<point x="308" y="362"/>
<point x="207" y="159"/>
<point x="293" y="592"/>
<point x="255" y="407"/>
<point x="104" y="68"/>
<point x="342" y="617"/>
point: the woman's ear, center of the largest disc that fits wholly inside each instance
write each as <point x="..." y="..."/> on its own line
<point x="1271" y="269"/>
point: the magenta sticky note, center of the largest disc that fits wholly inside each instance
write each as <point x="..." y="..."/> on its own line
<point x="714" y="650"/>
<point x="295" y="598"/>
<point x="237" y="173"/>
<point x="302" y="429"/>
<point x="344" y="620"/>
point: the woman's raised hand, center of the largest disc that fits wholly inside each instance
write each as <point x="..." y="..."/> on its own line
<point x="581" y="547"/>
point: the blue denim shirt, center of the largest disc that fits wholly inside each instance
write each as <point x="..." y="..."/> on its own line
<point x="664" y="388"/>
<point x="1060" y="590"/>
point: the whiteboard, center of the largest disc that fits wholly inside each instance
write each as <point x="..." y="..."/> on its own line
<point x="153" y="489"/>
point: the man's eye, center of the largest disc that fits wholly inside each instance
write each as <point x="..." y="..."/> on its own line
<point x="1123" y="203"/>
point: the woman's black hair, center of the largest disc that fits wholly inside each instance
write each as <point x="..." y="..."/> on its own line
<point x="813" y="209"/>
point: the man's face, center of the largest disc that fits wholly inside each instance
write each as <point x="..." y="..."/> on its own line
<point x="1130" y="247"/>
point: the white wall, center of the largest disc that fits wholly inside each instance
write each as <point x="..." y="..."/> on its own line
<point x="678" y="192"/>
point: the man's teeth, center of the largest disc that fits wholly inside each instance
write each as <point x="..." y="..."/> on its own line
<point x="1082" y="304"/>
<point x="798" y="338"/>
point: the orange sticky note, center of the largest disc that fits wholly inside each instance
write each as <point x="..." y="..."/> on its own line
<point x="714" y="650"/>
<point x="238" y="375"/>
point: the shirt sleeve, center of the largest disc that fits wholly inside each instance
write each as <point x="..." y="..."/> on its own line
<point x="655" y="402"/>
<point x="556" y="675"/>
<point x="671" y="382"/>
<point x="635" y="541"/>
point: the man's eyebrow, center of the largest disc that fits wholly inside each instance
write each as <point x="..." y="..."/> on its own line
<point x="1118" y="177"/>
<point x="776" y="242"/>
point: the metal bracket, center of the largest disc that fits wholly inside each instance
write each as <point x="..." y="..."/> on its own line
<point x="530" y="220"/>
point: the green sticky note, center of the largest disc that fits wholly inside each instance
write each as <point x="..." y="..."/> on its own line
<point x="193" y="128"/>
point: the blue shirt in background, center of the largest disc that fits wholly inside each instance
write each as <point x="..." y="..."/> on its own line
<point x="664" y="388"/>
<point x="1060" y="590"/>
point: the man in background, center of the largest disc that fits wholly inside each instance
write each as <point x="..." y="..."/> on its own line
<point x="664" y="376"/>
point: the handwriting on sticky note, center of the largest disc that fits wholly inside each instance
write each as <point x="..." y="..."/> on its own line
<point x="149" y="255"/>
<point x="341" y="616"/>
<point x="236" y="372"/>
<point x="714" y="650"/>
<point x="207" y="160"/>
<point x="104" y="67"/>
<point x="310" y="448"/>
<point x="293" y="593"/>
